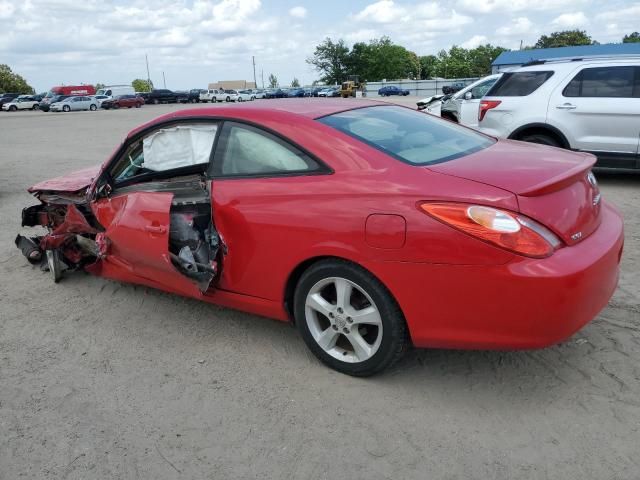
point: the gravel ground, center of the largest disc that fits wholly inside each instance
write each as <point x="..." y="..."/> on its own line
<point x="106" y="380"/>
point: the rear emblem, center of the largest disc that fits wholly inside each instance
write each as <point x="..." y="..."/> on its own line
<point x="576" y="236"/>
<point x="592" y="179"/>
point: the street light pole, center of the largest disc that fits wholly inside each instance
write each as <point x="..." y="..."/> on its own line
<point x="255" y="82"/>
<point x="164" y="81"/>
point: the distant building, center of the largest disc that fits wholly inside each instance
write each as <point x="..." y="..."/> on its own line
<point x="232" y="85"/>
<point x="517" y="58"/>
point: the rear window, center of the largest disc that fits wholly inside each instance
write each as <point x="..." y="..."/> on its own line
<point x="518" y="84"/>
<point x="408" y="135"/>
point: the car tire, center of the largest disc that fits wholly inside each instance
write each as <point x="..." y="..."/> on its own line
<point x="228" y="99"/>
<point x="92" y="107"/>
<point x="156" y="101"/>
<point x="138" y="105"/>
<point x="35" y="107"/>
<point x="54" y="262"/>
<point x="66" y="108"/>
<point x="239" y="99"/>
<point x="13" y="108"/>
<point x="378" y="339"/>
<point x="541" y="139"/>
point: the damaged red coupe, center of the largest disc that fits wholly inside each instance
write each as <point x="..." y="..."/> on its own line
<point x="373" y="227"/>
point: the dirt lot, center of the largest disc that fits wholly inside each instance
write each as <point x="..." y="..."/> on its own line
<point x="104" y="380"/>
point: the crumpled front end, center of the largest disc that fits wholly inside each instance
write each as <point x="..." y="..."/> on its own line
<point x="69" y="241"/>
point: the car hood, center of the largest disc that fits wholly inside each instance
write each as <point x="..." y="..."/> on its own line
<point x="71" y="182"/>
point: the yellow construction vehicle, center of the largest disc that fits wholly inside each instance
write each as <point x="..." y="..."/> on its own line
<point x="350" y="86"/>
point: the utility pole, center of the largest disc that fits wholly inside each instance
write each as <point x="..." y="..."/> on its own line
<point x="520" y="44"/>
<point x="253" y="60"/>
<point x="146" y="58"/>
<point x="262" y="75"/>
<point x="164" y="81"/>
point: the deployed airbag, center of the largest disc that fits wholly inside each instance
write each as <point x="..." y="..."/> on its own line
<point x="179" y="146"/>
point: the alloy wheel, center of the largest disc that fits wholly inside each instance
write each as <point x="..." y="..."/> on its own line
<point x="343" y="320"/>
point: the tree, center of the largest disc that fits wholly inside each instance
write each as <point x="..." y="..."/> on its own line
<point x="273" y="81"/>
<point x="12" y="82"/>
<point x="567" y="38"/>
<point x="140" y="85"/>
<point x="428" y="65"/>
<point x="632" y="38"/>
<point x="99" y="85"/>
<point x="330" y="59"/>
<point x="482" y="57"/>
<point x="295" y="83"/>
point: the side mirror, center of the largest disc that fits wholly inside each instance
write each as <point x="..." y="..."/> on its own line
<point x="468" y="96"/>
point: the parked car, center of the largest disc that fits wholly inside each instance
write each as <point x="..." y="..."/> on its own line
<point x="123" y="101"/>
<point x="143" y="95"/>
<point x="101" y="98"/>
<point x="47" y="101"/>
<point x="244" y="96"/>
<point x="112" y="91"/>
<point x="392" y="90"/>
<point x="75" y="103"/>
<point x="7" y="97"/>
<point x="162" y="95"/>
<point x="453" y="88"/>
<point x="588" y="105"/>
<point x="401" y="228"/>
<point x="275" y="93"/>
<point x="333" y="92"/>
<point x="295" y="93"/>
<point x="182" y="96"/>
<point x="259" y="93"/>
<point x="462" y="106"/>
<point x="316" y="90"/>
<point x="194" y="95"/>
<point x="209" y="95"/>
<point x="23" y="102"/>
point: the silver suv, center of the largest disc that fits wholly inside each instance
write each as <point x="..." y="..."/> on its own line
<point x="588" y="104"/>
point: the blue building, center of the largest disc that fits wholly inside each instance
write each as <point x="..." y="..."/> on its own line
<point x="516" y="58"/>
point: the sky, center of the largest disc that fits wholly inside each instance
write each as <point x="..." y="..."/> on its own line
<point x="195" y="42"/>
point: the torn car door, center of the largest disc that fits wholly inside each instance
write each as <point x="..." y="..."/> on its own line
<point x="139" y="237"/>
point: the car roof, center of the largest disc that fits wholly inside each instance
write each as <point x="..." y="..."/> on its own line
<point x="310" y="108"/>
<point x="572" y="64"/>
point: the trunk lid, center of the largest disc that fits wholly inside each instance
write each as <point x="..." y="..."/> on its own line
<point x="553" y="186"/>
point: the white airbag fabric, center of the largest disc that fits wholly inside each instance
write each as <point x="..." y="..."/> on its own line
<point x="179" y="146"/>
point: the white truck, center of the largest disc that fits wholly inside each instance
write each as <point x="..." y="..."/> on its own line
<point x="116" y="90"/>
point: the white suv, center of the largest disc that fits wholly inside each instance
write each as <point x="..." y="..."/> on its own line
<point x="591" y="105"/>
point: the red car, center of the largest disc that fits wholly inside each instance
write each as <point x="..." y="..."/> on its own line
<point x="373" y="227"/>
<point x="123" y="101"/>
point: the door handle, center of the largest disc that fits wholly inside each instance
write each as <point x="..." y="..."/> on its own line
<point x="155" y="228"/>
<point x="566" y="106"/>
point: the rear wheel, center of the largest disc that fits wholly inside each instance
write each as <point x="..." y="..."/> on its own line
<point x="156" y="101"/>
<point x="55" y="264"/>
<point x="228" y="99"/>
<point x="541" y="138"/>
<point x="348" y="319"/>
<point x="138" y="105"/>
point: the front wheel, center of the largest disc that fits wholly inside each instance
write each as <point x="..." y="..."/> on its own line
<point x="13" y="108"/>
<point x="35" y="107"/>
<point x="156" y="101"/>
<point x="348" y="319"/>
<point x="228" y="99"/>
<point x="92" y="107"/>
<point x="66" y="108"/>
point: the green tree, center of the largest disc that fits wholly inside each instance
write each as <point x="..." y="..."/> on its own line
<point x="330" y="59"/>
<point x="428" y="65"/>
<point x="295" y="83"/>
<point x="632" y="38"/>
<point x="12" y="82"/>
<point x="481" y="58"/>
<point x="140" y="85"/>
<point x="99" y="85"/>
<point x="273" y="81"/>
<point x="566" y="38"/>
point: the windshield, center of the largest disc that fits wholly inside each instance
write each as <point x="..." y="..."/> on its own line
<point x="408" y="135"/>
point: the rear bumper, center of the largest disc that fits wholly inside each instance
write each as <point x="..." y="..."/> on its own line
<point x="527" y="303"/>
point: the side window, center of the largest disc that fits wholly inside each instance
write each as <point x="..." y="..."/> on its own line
<point x="481" y="90"/>
<point x="519" y="84"/>
<point x="167" y="149"/>
<point x="609" y="82"/>
<point x="247" y="150"/>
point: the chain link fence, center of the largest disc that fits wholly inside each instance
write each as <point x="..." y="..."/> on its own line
<point x="419" y="88"/>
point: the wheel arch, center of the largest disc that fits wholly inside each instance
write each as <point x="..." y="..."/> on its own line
<point x="545" y="128"/>
<point x="298" y="271"/>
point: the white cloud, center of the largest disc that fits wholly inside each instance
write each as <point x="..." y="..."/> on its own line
<point x="487" y="6"/>
<point x="474" y="41"/>
<point x="571" y="20"/>
<point x="384" y="11"/>
<point x="518" y="26"/>
<point x="6" y="9"/>
<point x="298" y="12"/>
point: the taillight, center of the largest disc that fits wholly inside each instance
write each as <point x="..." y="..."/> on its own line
<point x="485" y="106"/>
<point x="504" y="229"/>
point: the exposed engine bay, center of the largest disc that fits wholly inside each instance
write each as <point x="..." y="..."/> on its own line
<point x="75" y="239"/>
